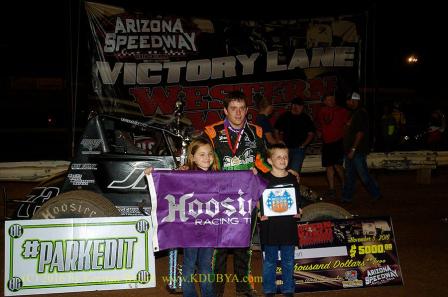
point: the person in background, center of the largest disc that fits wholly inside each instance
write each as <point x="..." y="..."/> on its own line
<point x="331" y="120"/>
<point x="200" y="157"/>
<point x="238" y="145"/>
<point x="265" y="110"/>
<point x="435" y="130"/>
<point x="124" y="143"/>
<point x="296" y="130"/>
<point x="271" y="239"/>
<point x="400" y="118"/>
<point x="389" y="130"/>
<point x="356" y="146"/>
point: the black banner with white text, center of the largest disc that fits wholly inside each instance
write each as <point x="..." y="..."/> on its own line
<point x="142" y="63"/>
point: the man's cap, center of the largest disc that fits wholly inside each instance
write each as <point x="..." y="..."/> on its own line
<point x="355" y="96"/>
<point x="297" y="101"/>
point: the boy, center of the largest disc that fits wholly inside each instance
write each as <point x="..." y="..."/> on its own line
<point x="279" y="233"/>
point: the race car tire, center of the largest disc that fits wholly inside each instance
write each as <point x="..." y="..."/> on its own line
<point x="77" y="204"/>
<point x="324" y="211"/>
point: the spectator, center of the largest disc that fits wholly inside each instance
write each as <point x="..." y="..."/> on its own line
<point x="296" y="130"/>
<point x="389" y="130"/>
<point x="400" y="118"/>
<point x="356" y="146"/>
<point x="264" y="112"/>
<point x="435" y="130"/>
<point x="331" y="121"/>
<point x="125" y="143"/>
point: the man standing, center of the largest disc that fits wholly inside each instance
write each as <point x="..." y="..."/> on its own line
<point x="356" y="146"/>
<point x="296" y="130"/>
<point x="331" y="121"/>
<point x="265" y="110"/>
<point x="239" y="146"/>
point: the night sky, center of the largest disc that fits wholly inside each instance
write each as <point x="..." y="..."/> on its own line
<point x="38" y="44"/>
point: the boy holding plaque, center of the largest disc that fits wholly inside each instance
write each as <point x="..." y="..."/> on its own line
<point x="280" y="207"/>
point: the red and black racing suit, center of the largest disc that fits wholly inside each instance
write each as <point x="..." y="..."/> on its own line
<point x="250" y="152"/>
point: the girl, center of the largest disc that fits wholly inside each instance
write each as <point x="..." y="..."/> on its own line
<point x="200" y="157"/>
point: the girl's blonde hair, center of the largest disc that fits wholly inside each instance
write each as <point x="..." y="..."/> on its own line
<point x="193" y="147"/>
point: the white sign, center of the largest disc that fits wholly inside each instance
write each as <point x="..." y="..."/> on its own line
<point x="333" y="251"/>
<point x="336" y="251"/>
<point x="279" y="202"/>
<point x="83" y="254"/>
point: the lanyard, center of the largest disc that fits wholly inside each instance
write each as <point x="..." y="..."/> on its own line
<point x="237" y="142"/>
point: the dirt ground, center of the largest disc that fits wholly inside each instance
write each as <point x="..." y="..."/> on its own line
<point x="418" y="213"/>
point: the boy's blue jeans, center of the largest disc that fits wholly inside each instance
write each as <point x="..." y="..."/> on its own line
<point x="270" y="268"/>
<point x="203" y="258"/>
<point x="358" y="165"/>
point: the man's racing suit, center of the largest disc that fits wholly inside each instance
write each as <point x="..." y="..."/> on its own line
<point x="244" y="150"/>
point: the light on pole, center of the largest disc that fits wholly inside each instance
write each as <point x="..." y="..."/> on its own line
<point x="412" y="59"/>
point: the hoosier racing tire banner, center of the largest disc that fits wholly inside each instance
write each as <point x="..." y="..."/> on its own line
<point x="203" y="209"/>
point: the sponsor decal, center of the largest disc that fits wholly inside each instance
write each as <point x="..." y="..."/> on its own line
<point x="134" y="180"/>
<point x="248" y="143"/>
<point x="236" y="211"/>
<point x="84" y="166"/>
<point x="76" y="179"/>
<point x="35" y="199"/>
<point x="235" y="162"/>
<point x="146" y="38"/>
<point x="315" y="233"/>
<point x="380" y="275"/>
<point x="351" y="279"/>
<point x="132" y="211"/>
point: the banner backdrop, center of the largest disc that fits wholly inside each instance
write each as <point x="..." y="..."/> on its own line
<point x="143" y="63"/>
<point x="349" y="253"/>
<point x="74" y="255"/>
<point x="203" y="209"/>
